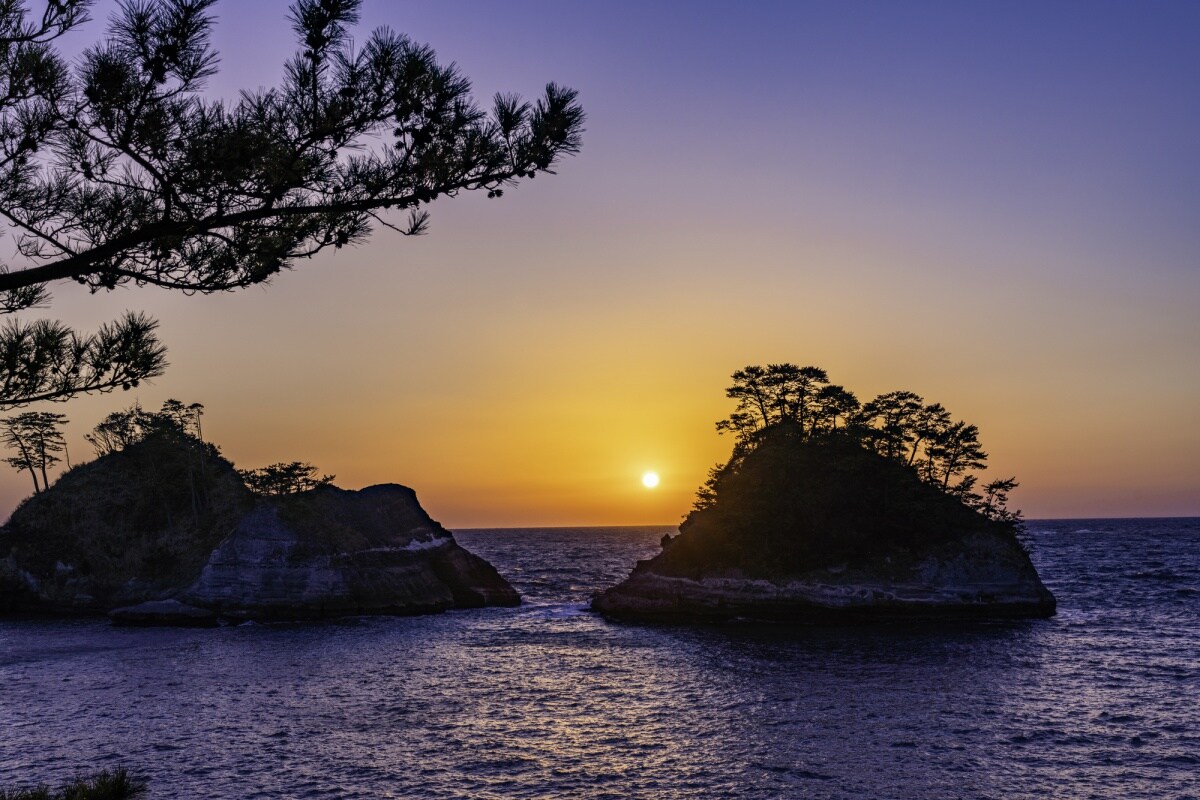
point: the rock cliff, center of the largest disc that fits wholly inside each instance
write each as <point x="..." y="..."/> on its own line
<point x="987" y="579"/>
<point x="164" y="532"/>
<point x="331" y="552"/>
<point x="827" y="532"/>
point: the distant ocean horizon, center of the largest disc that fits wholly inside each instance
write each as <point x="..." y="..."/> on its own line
<point x="582" y="526"/>
<point x="550" y="700"/>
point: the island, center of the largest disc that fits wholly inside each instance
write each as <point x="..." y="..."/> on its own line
<point x="834" y="511"/>
<point x="161" y="529"/>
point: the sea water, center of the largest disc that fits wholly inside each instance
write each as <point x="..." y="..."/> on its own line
<point x="550" y="701"/>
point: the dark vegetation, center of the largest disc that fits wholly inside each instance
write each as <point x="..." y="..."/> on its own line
<point x="818" y="480"/>
<point x="104" y="785"/>
<point x="131" y="534"/>
<point x="36" y="441"/>
<point x="116" y="170"/>
<point x="284" y="478"/>
<point x="146" y="513"/>
<point x="154" y="502"/>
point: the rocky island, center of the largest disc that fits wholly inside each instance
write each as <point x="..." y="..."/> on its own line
<point x="164" y="530"/>
<point x="831" y="511"/>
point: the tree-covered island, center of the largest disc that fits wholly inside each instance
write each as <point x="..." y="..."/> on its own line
<point x="831" y="509"/>
<point x="119" y="170"/>
<point x="160" y="528"/>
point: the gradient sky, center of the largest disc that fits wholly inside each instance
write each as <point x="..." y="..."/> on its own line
<point x="993" y="205"/>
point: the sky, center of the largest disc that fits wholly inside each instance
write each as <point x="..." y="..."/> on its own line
<point x="992" y="205"/>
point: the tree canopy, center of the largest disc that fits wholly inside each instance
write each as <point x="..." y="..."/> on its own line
<point x="284" y="478"/>
<point x="898" y="425"/>
<point x="166" y="435"/>
<point x="116" y="170"/>
<point x="126" y="427"/>
<point x="35" y="439"/>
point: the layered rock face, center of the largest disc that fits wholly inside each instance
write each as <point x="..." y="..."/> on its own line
<point x="166" y="533"/>
<point x="331" y="552"/>
<point x="987" y="578"/>
<point x="828" y="532"/>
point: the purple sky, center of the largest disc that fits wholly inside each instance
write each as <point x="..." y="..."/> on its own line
<point x="993" y="205"/>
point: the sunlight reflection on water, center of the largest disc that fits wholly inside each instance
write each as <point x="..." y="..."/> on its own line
<point x="549" y="700"/>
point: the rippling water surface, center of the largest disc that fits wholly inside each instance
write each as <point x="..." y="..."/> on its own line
<point x="547" y="700"/>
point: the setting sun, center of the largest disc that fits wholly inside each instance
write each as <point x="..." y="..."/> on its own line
<point x="650" y="480"/>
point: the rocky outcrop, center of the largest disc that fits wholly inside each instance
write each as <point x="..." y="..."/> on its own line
<point x="986" y="578"/>
<point x="165" y="533"/>
<point x="331" y="552"/>
<point x="825" y="531"/>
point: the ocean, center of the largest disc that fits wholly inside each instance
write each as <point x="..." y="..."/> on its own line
<point x="550" y="701"/>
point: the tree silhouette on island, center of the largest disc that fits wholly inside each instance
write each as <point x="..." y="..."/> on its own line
<point x="118" y="172"/>
<point x="35" y="440"/>
<point x="829" y="510"/>
<point x="897" y="425"/>
<point x="160" y="528"/>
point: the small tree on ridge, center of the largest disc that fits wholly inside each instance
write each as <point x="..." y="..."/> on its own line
<point x="36" y="440"/>
<point x="284" y="478"/>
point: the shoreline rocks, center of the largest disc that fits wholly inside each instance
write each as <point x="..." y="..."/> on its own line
<point x="342" y="553"/>
<point x="648" y="596"/>
<point x="331" y="552"/>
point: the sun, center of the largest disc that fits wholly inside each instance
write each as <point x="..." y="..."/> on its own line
<point x="650" y="480"/>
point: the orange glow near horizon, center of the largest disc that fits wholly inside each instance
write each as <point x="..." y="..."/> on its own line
<point x="549" y="416"/>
